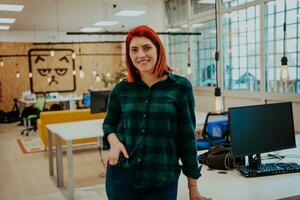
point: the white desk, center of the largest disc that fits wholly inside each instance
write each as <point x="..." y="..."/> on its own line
<point x="69" y="131"/>
<point x="72" y="131"/>
<point x="70" y="100"/>
<point x="234" y="186"/>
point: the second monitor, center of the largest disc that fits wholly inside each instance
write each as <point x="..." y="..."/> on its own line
<point x="99" y="100"/>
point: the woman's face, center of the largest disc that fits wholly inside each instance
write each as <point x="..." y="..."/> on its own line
<point x="143" y="54"/>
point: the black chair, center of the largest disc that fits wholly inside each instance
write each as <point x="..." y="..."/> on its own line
<point x="31" y="119"/>
<point x="215" y="131"/>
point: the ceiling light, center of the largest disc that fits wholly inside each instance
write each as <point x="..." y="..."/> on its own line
<point x="73" y="55"/>
<point x="90" y="29"/>
<point x="206" y="1"/>
<point x="9" y="7"/>
<point x="97" y="78"/>
<point x="7" y="20"/>
<point x="197" y="25"/>
<point x="52" y="53"/>
<point x="173" y="30"/>
<point x="17" y="74"/>
<point x="193" y="25"/>
<point x="184" y="25"/>
<point x="4" y="27"/>
<point x="130" y="13"/>
<point x="105" y="23"/>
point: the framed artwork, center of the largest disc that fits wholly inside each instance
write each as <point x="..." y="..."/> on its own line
<point x="51" y="70"/>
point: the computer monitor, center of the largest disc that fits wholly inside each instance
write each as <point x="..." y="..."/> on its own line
<point x="261" y="128"/>
<point x="99" y="101"/>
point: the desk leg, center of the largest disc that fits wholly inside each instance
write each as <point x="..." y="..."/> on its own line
<point x="50" y="153"/>
<point x="59" y="162"/>
<point x="70" y="171"/>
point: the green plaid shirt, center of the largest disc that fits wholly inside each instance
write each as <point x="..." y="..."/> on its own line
<point x="156" y="125"/>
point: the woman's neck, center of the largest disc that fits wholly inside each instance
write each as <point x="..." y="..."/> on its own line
<point x="151" y="79"/>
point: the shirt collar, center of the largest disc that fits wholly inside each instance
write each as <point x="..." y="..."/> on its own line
<point x="171" y="76"/>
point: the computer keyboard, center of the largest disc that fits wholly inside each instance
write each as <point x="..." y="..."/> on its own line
<point x="269" y="169"/>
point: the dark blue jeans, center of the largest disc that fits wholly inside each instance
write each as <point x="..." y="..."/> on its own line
<point x="120" y="186"/>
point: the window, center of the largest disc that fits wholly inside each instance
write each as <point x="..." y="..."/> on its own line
<point x="241" y="43"/>
<point x="274" y="19"/>
<point x="203" y="49"/>
<point x="199" y="7"/>
<point x="178" y="54"/>
<point x="241" y="49"/>
<point x="176" y="10"/>
<point x="233" y="3"/>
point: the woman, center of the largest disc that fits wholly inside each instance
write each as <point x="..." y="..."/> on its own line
<point x="149" y="125"/>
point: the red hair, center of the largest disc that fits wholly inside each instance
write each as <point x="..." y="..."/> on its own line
<point x="161" y="67"/>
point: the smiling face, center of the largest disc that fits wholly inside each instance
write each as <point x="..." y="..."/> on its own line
<point x="143" y="55"/>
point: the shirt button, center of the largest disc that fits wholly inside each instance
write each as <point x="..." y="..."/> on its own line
<point x="143" y="130"/>
<point x="145" y="115"/>
<point x="141" y="146"/>
<point x="139" y="160"/>
<point x="146" y="101"/>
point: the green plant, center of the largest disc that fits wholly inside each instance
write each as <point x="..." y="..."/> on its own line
<point x="116" y="77"/>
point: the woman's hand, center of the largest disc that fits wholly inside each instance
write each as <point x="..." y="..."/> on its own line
<point x="195" y="195"/>
<point x="114" y="153"/>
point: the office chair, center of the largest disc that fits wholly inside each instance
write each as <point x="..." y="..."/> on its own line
<point x="31" y="119"/>
<point x="215" y="131"/>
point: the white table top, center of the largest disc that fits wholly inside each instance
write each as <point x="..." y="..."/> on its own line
<point x="64" y="98"/>
<point x="56" y="99"/>
<point x="234" y="186"/>
<point x="77" y="130"/>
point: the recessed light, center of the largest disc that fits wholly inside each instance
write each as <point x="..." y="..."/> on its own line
<point x="207" y="1"/>
<point x="173" y="30"/>
<point x="10" y="7"/>
<point x="130" y="13"/>
<point x="4" y="27"/>
<point x="193" y="25"/>
<point x="184" y="25"/>
<point x="105" y="23"/>
<point x="7" y="20"/>
<point x="90" y="29"/>
<point x="197" y="25"/>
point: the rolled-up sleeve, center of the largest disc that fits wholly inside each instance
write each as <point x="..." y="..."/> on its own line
<point x="187" y="142"/>
<point x="112" y="117"/>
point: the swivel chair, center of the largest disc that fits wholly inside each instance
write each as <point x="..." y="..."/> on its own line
<point x="215" y="131"/>
<point x="31" y="119"/>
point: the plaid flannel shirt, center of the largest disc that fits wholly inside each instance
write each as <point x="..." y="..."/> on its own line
<point x="156" y="125"/>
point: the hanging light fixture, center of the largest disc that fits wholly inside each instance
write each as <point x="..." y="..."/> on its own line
<point x="284" y="73"/>
<point x="52" y="52"/>
<point x="218" y="101"/>
<point x="30" y="75"/>
<point x="17" y="72"/>
<point x="81" y="72"/>
<point x="94" y="72"/>
<point x="49" y="79"/>
<point x="1" y="62"/>
<point x="97" y="78"/>
<point x="73" y="55"/>
<point x="74" y="70"/>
